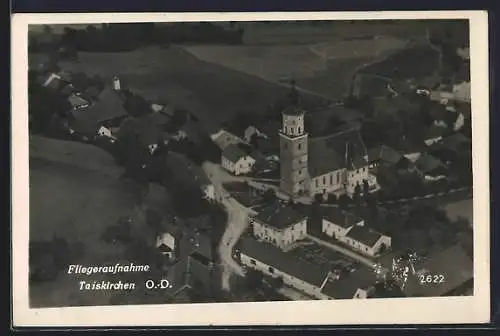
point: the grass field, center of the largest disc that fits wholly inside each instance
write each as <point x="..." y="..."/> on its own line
<point x="325" y="68"/>
<point x="212" y="92"/>
<point x="77" y="205"/>
<point x="75" y="194"/>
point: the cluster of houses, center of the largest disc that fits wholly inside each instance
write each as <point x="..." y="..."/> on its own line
<point x="279" y="228"/>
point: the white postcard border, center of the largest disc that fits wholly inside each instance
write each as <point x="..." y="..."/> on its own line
<point x="474" y="309"/>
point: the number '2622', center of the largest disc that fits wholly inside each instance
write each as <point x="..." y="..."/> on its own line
<point x="431" y="279"/>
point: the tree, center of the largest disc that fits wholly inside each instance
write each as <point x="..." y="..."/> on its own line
<point x="366" y="188"/>
<point x="318" y="198"/>
<point x="269" y="196"/>
<point x="332" y="198"/>
<point x="254" y="279"/>
<point x="357" y="193"/>
<point x="344" y="201"/>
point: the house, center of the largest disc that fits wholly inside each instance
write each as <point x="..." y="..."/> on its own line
<point x="270" y="149"/>
<point x="410" y="149"/>
<point x="461" y="91"/>
<point x="464" y="53"/>
<point x="450" y="270"/>
<point x="77" y="101"/>
<point x="433" y="134"/>
<point x="336" y="222"/>
<point x="279" y="225"/>
<point x="316" y="281"/>
<point x="252" y="131"/>
<point x="108" y="111"/>
<point x="236" y="160"/>
<point x="187" y="174"/>
<point x="430" y="168"/>
<point x="383" y="155"/>
<point x="452" y="148"/>
<point x="223" y="139"/>
<point x="366" y="241"/>
<point x="168" y="240"/>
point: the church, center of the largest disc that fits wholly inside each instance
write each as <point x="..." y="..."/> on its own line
<point x="333" y="164"/>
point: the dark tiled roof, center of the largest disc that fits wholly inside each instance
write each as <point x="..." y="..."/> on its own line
<point x="427" y="163"/>
<point x="434" y="131"/>
<point x="285" y="262"/>
<point x="453" y="263"/>
<point x="349" y="283"/>
<point x="340" y="217"/>
<point x="279" y="216"/>
<point x="233" y="153"/>
<point x="385" y="154"/>
<point x="341" y="150"/>
<point x="109" y="106"/>
<point x="364" y="235"/>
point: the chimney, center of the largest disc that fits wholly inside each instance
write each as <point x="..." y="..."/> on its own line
<point x="116" y="83"/>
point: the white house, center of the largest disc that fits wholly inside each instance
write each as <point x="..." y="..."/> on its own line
<point x="314" y="280"/>
<point x="461" y="91"/>
<point x="236" y="161"/>
<point x="366" y="241"/>
<point x="103" y="131"/>
<point x="251" y="131"/>
<point x="433" y="135"/>
<point x="336" y="223"/>
<point x="279" y="225"/>
<point x="223" y="139"/>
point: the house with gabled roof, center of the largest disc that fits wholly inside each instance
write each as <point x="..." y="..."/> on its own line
<point x="383" y="155"/>
<point x="236" y="160"/>
<point x="366" y="240"/>
<point x="279" y="225"/>
<point x="315" y="280"/>
<point x="430" y="168"/>
<point x="337" y="223"/>
<point x="106" y="112"/>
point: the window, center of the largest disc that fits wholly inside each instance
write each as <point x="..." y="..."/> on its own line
<point x="299" y="130"/>
<point x="338" y="177"/>
<point x="271" y="270"/>
<point x="292" y="130"/>
<point x="253" y="262"/>
<point x="324" y="179"/>
<point x="316" y="182"/>
<point x="285" y="146"/>
<point x="331" y="179"/>
<point x="300" y="146"/>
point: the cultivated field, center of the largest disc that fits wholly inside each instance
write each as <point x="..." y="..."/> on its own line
<point x="325" y="68"/>
<point x="213" y="92"/>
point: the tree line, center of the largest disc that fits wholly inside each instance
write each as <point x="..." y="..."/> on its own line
<point x="130" y="36"/>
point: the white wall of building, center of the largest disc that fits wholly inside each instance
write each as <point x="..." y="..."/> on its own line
<point x="288" y="279"/>
<point x="327" y="183"/>
<point x="280" y="238"/>
<point x="370" y="251"/>
<point x="243" y="166"/>
<point x="335" y="231"/>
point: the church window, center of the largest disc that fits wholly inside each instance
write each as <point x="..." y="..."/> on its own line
<point x="291" y="130"/>
<point x="338" y="177"/>
<point x="324" y="179"/>
<point x="300" y="146"/>
<point x="300" y="129"/>
<point x="331" y="179"/>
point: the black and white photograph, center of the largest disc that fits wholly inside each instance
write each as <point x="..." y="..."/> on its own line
<point x="285" y="162"/>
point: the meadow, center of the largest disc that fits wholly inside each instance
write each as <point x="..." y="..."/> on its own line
<point x="212" y="92"/>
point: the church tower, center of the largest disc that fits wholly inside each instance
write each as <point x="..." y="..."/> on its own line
<point x="116" y="83"/>
<point x="294" y="176"/>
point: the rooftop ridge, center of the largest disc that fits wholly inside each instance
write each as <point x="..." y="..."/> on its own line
<point x="325" y="137"/>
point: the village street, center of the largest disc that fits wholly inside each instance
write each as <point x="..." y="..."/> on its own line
<point x="236" y="224"/>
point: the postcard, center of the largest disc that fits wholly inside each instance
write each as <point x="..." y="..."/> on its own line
<point x="242" y="169"/>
